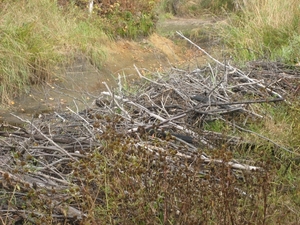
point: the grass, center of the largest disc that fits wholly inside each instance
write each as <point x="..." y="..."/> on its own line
<point x="126" y="19"/>
<point x="196" y="8"/>
<point x="218" y="6"/>
<point x="257" y="30"/>
<point x="128" y="25"/>
<point x="278" y="192"/>
<point x="36" y="36"/>
<point x="111" y="177"/>
<point x="267" y="29"/>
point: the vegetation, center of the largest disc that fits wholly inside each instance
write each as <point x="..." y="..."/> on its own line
<point x="267" y="29"/>
<point x="110" y="192"/>
<point x="197" y="8"/>
<point x="31" y="44"/>
<point x="218" y="6"/>
<point x="256" y="30"/>
<point x="38" y="35"/>
<point x="104" y="166"/>
<point x="126" y="19"/>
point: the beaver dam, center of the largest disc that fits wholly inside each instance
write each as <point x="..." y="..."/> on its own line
<point x="147" y="154"/>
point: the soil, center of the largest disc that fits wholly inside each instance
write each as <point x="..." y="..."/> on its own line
<point x="81" y="82"/>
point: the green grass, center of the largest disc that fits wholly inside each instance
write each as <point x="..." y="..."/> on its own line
<point x="218" y="6"/>
<point x="196" y="8"/>
<point x="267" y="29"/>
<point x="128" y="25"/>
<point x="37" y="35"/>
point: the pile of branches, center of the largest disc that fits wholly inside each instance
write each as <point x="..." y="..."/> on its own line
<point x="166" y="114"/>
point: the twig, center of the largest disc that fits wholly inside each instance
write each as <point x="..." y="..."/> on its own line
<point x="156" y="116"/>
<point x="263" y="137"/>
<point x="87" y="123"/>
<point x="45" y="136"/>
<point x="231" y="68"/>
<point x="243" y="102"/>
<point x="120" y="107"/>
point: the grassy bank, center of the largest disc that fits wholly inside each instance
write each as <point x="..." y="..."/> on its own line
<point x="37" y="35"/>
<point x="267" y="29"/>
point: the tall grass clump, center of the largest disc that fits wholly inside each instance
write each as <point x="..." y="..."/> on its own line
<point x="35" y="35"/>
<point x="266" y="29"/>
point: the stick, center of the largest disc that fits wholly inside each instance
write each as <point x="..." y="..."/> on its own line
<point x="231" y="68"/>
<point x="60" y="149"/>
<point x="263" y="137"/>
<point x="156" y="116"/>
<point x="244" y="102"/>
